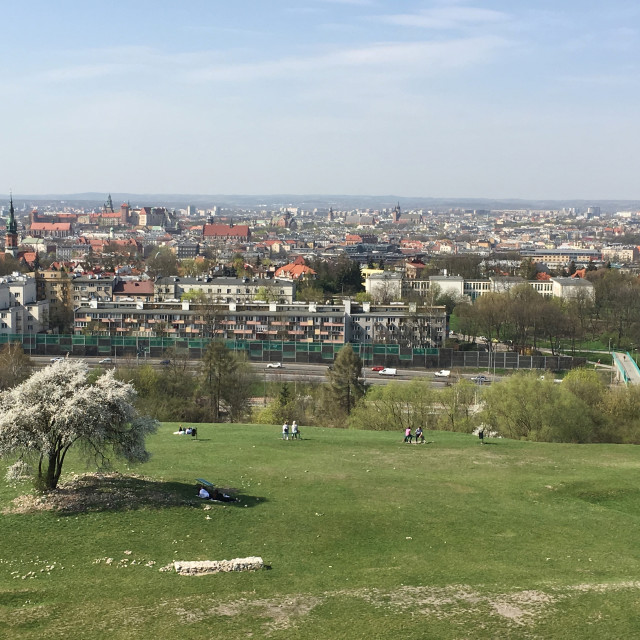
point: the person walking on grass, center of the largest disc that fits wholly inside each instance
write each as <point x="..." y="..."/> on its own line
<point x="285" y="431"/>
<point x="295" y="432"/>
<point x="407" y="435"/>
<point x="481" y="435"/>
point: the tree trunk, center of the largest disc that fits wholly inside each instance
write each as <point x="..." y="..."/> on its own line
<point x="51" y="474"/>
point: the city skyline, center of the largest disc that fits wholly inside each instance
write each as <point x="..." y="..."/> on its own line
<point x="420" y="99"/>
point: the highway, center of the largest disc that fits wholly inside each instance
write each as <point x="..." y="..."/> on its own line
<point x="298" y="372"/>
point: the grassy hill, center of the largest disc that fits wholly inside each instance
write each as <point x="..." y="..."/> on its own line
<point x="366" y="537"/>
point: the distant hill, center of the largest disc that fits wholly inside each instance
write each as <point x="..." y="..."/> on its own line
<point x="312" y="201"/>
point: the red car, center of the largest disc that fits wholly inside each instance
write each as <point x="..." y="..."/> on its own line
<point x="377" y="368"/>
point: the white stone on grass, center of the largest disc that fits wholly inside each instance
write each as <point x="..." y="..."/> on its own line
<point x="203" y="567"/>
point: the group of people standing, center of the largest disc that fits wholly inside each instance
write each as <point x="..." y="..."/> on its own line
<point x="295" y="431"/>
<point x="408" y="436"/>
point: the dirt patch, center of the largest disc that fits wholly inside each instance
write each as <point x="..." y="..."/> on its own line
<point x="457" y="603"/>
<point x="605" y="587"/>
<point x="508" y="611"/>
<point x="446" y="602"/>
<point x="285" y="612"/>
<point x="103" y="492"/>
<point x="454" y="602"/>
<point x="279" y="613"/>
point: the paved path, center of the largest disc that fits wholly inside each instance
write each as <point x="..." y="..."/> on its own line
<point x="626" y="368"/>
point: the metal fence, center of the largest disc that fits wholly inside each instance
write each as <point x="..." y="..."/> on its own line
<point x="388" y="355"/>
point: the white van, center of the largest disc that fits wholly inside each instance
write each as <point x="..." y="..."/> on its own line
<point x="388" y="372"/>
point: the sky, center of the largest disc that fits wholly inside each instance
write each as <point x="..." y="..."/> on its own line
<point x="439" y="98"/>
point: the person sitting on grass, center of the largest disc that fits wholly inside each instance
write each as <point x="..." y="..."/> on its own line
<point x="407" y="435"/>
<point x="218" y="496"/>
<point x="203" y="493"/>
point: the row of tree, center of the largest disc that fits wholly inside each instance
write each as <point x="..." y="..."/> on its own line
<point x="219" y="390"/>
<point x="524" y="406"/>
<point x="524" y="318"/>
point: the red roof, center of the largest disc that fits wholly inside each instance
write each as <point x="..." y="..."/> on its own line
<point x="144" y="288"/>
<point x="51" y="226"/>
<point x="226" y="231"/>
<point x="294" y="271"/>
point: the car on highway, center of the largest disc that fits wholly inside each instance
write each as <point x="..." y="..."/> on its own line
<point x="57" y="359"/>
<point x="274" y="365"/>
<point x="378" y="368"/>
<point x="105" y="361"/>
<point x="480" y="379"/>
<point x="165" y="362"/>
<point x="443" y="373"/>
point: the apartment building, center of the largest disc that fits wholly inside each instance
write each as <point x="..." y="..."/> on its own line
<point x="409" y="325"/>
<point x="472" y="289"/>
<point x="563" y="256"/>
<point x="54" y="287"/>
<point x="20" y="310"/>
<point x="93" y="287"/>
<point x="619" y="253"/>
<point x="224" y="290"/>
<point x="293" y="322"/>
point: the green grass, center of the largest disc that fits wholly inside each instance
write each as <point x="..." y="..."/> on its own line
<point x="366" y="538"/>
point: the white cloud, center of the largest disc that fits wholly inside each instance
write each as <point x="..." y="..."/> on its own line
<point x="449" y="17"/>
<point x="82" y="72"/>
<point x="425" y="58"/>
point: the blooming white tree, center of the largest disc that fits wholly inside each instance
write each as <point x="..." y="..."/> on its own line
<point x="58" y="407"/>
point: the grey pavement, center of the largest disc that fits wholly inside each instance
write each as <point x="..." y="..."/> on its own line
<point x="626" y="365"/>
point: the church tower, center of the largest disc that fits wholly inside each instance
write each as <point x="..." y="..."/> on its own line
<point x="11" y="238"/>
<point x="396" y="214"/>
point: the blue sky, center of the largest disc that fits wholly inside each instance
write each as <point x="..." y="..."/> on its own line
<point x="414" y="98"/>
